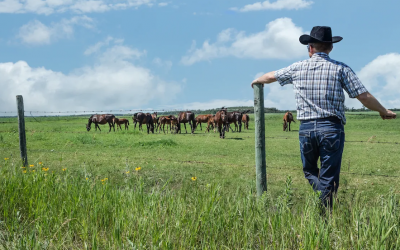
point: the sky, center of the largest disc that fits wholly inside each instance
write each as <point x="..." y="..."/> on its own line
<point x="74" y="55"/>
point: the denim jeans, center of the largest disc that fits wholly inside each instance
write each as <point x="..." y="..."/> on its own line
<point x="322" y="139"/>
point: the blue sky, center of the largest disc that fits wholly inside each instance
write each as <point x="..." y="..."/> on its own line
<point x="132" y="54"/>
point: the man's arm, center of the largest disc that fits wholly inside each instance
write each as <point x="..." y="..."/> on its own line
<point x="266" y="78"/>
<point x="371" y="103"/>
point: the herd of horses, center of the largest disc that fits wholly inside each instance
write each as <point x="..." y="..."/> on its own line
<point x="221" y="121"/>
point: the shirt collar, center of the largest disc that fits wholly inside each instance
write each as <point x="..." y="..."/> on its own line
<point x="320" y="55"/>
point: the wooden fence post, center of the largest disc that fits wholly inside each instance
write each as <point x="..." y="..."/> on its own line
<point x="21" y="129"/>
<point x="261" y="165"/>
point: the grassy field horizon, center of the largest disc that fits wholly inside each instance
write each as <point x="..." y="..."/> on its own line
<point x="131" y="161"/>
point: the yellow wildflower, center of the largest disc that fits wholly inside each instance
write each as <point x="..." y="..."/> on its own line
<point x="64" y="169"/>
<point x="33" y="170"/>
<point x="31" y="166"/>
<point x="6" y="159"/>
<point x="127" y="172"/>
<point x="87" y="178"/>
<point x="24" y="171"/>
<point x="138" y="168"/>
<point x="40" y="163"/>
<point x="23" y="167"/>
<point x="45" y="169"/>
<point x="194" y="178"/>
<point x="105" y="179"/>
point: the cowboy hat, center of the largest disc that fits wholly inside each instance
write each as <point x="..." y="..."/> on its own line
<point x="320" y="34"/>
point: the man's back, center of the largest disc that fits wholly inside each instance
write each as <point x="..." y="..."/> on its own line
<point x="319" y="83"/>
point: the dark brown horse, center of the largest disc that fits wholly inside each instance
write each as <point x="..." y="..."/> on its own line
<point x="287" y="119"/>
<point x="236" y="118"/>
<point x="101" y="119"/>
<point x="221" y="121"/>
<point x="186" y="117"/>
<point x="245" y="121"/>
<point x="120" y="121"/>
<point x="143" y="118"/>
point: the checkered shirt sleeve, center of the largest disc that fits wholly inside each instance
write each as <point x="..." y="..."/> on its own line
<point x="284" y="76"/>
<point x="351" y="83"/>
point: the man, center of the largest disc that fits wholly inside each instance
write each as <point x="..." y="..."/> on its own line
<point x="319" y="83"/>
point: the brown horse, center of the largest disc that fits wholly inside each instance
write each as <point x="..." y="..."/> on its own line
<point x="287" y="119"/>
<point x="186" y="117"/>
<point x="143" y="118"/>
<point x="122" y="121"/>
<point x="101" y="119"/>
<point x="221" y="121"/>
<point x="174" y="123"/>
<point x="202" y="119"/>
<point x="245" y="121"/>
<point x="210" y="123"/>
<point x="165" y="120"/>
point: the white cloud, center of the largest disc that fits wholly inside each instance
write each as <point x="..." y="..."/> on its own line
<point x="278" y="5"/>
<point x="279" y="40"/>
<point x="382" y="79"/>
<point x="37" y="33"/>
<point x="48" y="7"/>
<point x="162" y="4"/>
<point x="117" y="83"/>
<point x="166" y="64"/>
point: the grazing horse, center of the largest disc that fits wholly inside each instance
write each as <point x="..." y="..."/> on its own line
<point x="122" y="121"/>
<point x="174" y="123"/>
<point x="186" y="117"/>
<point x="287" y="119"/>
<point x="245" y="121"/>
<point x="221" y="120"/>
<point x="202" y="119"/>
<point x="143" y="118"/>
<point x="236" y="118"/>
<point x="101" y="119"/>
<point x="165" y="120"/>
<point x="155" y="120"/>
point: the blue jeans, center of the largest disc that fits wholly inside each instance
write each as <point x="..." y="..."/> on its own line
<point x="322" y="139"/>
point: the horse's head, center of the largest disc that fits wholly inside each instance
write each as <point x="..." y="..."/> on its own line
<point x="88" y="127"/>
<point x="285" y="125"/>
<point x="224" y="115"/>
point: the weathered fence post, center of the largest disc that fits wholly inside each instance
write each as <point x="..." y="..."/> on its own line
<point x="21" y="129"/>
<point x="261" y="165"/>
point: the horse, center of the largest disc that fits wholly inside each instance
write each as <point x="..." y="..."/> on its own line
<point x="221" y="120"/>
<point x="210" y="123"/>
<point x="101" y="119"/>
<point x="236" y="118"/>
<point x="122" y="121"/>
<point x="287" y="118"/>
<point x="202" y="119"/>
<point x="155" y="120"/>
<point x="245" y="120"/>
<point x="143" y="118"/>
<point x="165" y="120"/>
<point x="186" y="117"/>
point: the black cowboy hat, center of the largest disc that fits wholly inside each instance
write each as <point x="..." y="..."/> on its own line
<point x="320" y="34"/>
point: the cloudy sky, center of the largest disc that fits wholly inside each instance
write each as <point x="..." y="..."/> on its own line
<point x="66" y="55"/>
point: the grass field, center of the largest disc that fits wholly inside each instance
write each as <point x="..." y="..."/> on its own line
<point x="94" y="196"/>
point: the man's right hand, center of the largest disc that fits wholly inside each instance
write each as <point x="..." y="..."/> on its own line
<point x="387" y="115"/>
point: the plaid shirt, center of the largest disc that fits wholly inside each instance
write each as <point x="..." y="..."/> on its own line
<point x="319" y="83"/>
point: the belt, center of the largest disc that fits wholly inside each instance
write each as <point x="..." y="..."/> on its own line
<point x="330" y="118"/>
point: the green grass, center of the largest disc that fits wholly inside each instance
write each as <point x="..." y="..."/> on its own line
<point x="161" y="207"/>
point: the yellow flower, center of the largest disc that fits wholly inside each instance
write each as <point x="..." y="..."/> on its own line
<point x="64" y="169"/>
<point x="127" y="172"/>
<point x="40" y="162"/>
<point x="6" y="159"/>
<point x="87" y="178"/>
<point x="45" y="169"/>
<point x="33" y="170"/>
<point x="138" y="168"/>
<point x="31" y="166"/>
<point x="24" y="171"/>
<point x="23" y="167"/>
<point x="102" y="180"/>
<point x="105" y="179"/>
<point x="194" y="178"/>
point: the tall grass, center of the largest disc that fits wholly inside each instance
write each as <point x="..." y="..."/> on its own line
<point x="76" y="210"/>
